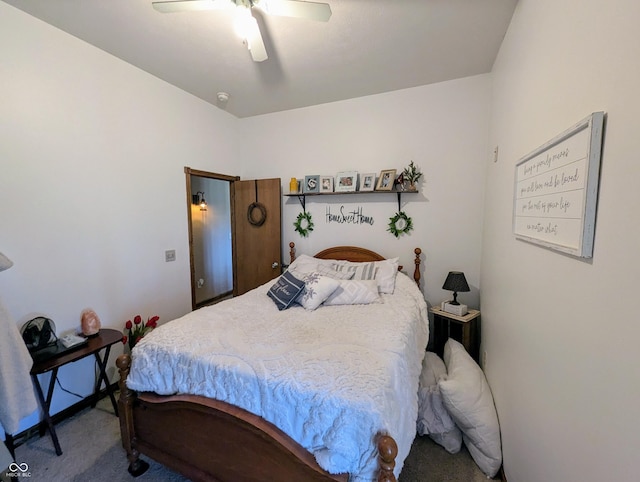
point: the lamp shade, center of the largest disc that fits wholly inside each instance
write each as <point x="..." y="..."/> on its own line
<point x="5" y="263"/>
<point x="455" y="282"/>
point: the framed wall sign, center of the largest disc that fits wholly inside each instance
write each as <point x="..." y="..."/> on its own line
<point x="556" y="190"/>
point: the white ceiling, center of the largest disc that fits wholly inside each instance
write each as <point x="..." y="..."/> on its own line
<point x="367" y="47"/>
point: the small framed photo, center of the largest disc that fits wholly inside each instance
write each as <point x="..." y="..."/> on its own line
<point x="346" y="181"/>
<point x="386" y="180"/>
<point x="311" y="184"/>
<point x="326" y="183"/>
<point x="367" y="181"/>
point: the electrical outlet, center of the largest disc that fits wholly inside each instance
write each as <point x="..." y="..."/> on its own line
<point x="484" y="360"/>
<point x="495" y="154"/>
<point x="170" y="255"/>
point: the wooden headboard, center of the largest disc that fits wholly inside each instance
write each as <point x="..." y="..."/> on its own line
<point x="356" y="255"/>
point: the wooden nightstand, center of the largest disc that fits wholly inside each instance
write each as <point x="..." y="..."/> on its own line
<point x="464" y="329"/>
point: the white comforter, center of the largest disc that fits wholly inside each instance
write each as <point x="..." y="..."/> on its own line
<point x="330" y="378"/>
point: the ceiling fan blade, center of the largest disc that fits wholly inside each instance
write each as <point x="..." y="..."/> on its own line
<point x="320" y="12"/>
<point x="191" y="5"/>
<point x="255" y="43"/>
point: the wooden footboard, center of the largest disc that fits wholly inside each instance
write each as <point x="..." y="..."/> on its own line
<point x="209" y="440"/>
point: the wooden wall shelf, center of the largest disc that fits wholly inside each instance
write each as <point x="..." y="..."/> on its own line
<point x="303" y="195"/>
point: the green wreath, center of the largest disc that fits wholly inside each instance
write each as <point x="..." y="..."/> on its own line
<point x="400" y="224"/>
<point x="303" y="230"/>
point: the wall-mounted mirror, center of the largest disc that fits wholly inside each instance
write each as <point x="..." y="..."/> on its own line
<point x="210" y="236"/>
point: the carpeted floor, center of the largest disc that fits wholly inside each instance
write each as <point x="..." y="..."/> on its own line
<point x="92" y="452"/>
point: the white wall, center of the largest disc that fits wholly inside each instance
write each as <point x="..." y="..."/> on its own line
<point x="92" y="190"/>
<point x="561" y="334"/>
<point x="443" y="128"/>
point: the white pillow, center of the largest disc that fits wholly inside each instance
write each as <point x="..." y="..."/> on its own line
<point x="306" y="263"/>
<point x="354" y="292"/>
<point x="433" y="418"/>
<point x="467" y="396"/>
<point x="316" y="290"/>
<point x="384" y="272"/>
<point x="331" y="272"/>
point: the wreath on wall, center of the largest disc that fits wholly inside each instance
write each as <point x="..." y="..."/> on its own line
<point x="303" y="224"/>
<point x="400" y="224"/>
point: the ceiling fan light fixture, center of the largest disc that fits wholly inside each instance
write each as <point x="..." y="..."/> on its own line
<point x="244" y="23"/>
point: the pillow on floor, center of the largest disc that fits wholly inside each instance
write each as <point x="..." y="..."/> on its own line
<point x="467" y="396"/>
<point x="433" y="418"/>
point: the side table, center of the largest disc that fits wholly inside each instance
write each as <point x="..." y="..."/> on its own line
<point x="104" y="340"/>
<point x="461" y="328"/>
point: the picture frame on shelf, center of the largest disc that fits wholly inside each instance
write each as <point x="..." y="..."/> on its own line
<point x="311" y="184"/>
<point x="367" y="181"/>
<point x="386" y="180"/>
<point x="346" y="181"/>
<point x="326" y="183"/>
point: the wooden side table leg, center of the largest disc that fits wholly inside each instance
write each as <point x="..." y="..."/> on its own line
<point x="45" y="404"/>
<point x="9" y="442"/>
<point x="102" y="377"/>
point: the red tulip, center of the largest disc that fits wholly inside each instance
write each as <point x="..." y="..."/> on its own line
<point x="138" y="339"/>
<point x="124" y="340"/>
<point x="153" y="321"/>
<point x="137" y="320"/>
<point x="128" y="325"/>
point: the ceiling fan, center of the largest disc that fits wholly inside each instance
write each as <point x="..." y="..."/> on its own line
<point x="246" y="24"/>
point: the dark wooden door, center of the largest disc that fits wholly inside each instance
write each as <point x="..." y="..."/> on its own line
<point x="257" y="233"/>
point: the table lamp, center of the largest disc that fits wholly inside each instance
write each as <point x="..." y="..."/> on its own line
<point x="455" y="282"/>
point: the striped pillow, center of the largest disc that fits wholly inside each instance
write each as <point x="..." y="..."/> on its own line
<point x="359" y="270"/>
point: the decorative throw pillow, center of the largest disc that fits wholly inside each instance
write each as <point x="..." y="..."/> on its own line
<point x="433" y="418"/>
<point x="285" y="290"/>
<point x="386" y="275"/>
<point x="317" y="288"/>
<point x="467" y="396"/>
<point x="332" y="272"/>
<point x="359" y="270"/>
<point x="354" y="292"/>
<point x="384" y="272"/>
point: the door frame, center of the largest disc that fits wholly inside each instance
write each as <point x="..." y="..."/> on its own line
<point x="211" y="175"/>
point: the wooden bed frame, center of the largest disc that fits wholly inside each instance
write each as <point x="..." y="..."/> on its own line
<point x="209" y="440"/>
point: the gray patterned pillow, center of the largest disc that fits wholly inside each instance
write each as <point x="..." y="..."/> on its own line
<point x="285" y="290"/>
<point x="332" y="272"/>
<point x="359" y="270"/>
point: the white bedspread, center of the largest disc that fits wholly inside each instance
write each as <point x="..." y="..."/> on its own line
<point x="331" y="378"/>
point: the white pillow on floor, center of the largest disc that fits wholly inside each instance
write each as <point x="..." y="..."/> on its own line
<point x="433" y="418"/>
<point x="468" y="399"/>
